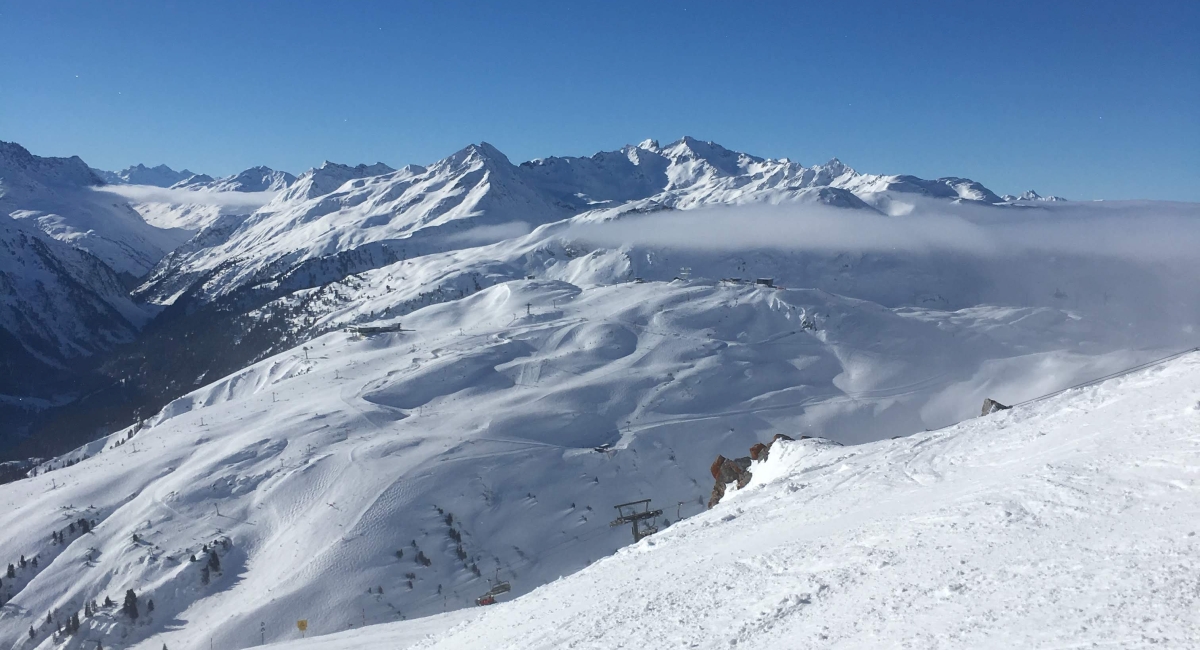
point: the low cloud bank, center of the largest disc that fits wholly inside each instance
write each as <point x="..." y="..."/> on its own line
<point x="152" y="194"/>
<point x="1145" y="230"/>
<point x="491" y="234"/>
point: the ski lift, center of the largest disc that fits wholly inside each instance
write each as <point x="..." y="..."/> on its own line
<point x="501" y="587"/>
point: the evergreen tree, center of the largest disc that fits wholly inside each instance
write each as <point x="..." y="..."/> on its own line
<point x="214" y="562"/>
<point x="130" y="608"/>
<point x="75" y="623"/>
<point x="22" y="563"/>
<point x="32" y="634"/>
<point x="108" y="601"/>
<point x="12" y="571"/>
<point x="87" y="610"/>
<point x="193" y="558"/>
<point x="149" y="605"/>
<point x="49" y="619"/>
<point x="34" y="561"/>
<point x="204" y="577"/>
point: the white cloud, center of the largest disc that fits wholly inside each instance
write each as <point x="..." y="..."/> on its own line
<point x="491" y="234"/>
<point x="152" y="194"/>
<point x="1142" y="230"/>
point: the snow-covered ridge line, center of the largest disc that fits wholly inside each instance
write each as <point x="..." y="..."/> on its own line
<point x="336" y="208"/>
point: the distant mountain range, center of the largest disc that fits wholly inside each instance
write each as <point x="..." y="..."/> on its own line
<point x="188" y="243"/>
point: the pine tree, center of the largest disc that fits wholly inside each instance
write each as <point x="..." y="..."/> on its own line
<point x="32" y="634"/>
<point x="130" y="608"/>
<point x="87" y="610"/>
<point x="214" y="562"/>
<point x="108" y="601"/>
<point x="34" y="561"/>
<point x="49" y="619"/>
<point x="193" y="558"/>
<point x="12" y="571"/>
<point x="75" y="623"/>
<point x="149" y="605"/>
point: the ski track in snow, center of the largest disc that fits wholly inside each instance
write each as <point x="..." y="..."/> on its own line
<point x="1070" y="523"/>
<point x="323" y="468"/>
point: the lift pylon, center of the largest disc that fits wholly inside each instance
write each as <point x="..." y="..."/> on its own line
<point x="636" y="512"/>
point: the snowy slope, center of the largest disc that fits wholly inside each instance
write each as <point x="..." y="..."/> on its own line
<point x="199" y="201"/>
<point x="1068" y="523"/>
<point x="1030" y="195"/>
<point x="160" y="176"/>
<point x="255" y="179"/>
<point x="59" y="301"/>
<point x="320" y="464"/>
<point x="337" y="210"/>
<point x="58" y="196"/>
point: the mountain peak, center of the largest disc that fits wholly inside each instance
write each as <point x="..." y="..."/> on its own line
<point x="483" y="151"/>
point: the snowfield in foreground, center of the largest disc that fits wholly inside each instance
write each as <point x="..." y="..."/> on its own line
<point x="1068" y="523"/>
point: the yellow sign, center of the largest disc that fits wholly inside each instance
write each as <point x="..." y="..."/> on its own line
<point x="302" y="624"/>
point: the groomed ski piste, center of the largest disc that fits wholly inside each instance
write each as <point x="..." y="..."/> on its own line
<point x="1067" y="523"/>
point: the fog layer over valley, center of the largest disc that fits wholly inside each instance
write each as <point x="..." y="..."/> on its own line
<point x="380" y="389"/>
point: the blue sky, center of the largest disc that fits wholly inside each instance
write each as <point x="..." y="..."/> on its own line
<point x="1081" y="98"/>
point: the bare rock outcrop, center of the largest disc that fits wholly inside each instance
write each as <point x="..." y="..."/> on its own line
<point x="991" y="406"/>
<point x="737" y="470"/>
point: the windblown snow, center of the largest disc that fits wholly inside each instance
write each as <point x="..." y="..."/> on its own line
<point x="1067" y="523"/>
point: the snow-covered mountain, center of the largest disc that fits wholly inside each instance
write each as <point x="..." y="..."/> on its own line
<point x="59" y="196"/>
<point x="58" y="305"/>
<point x="212" y="199"/>
<point x="160" y="176"/>
<point x="1030" y="195"/>
<point x="1066" y="523"/>
<point x="341" y="212"/>
<point x="577" y="332"/>
<point x="255" y="179"/>
<point x="423" y="462"/>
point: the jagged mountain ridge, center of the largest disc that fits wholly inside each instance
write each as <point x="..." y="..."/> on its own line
<point x="1030" y="195"/>
<point x="335" y="209"/>
<point x="139" y="174"/>
<point x="58" y="304"/>
<point x="255" y="179"/>
<point x="59" y="196"/>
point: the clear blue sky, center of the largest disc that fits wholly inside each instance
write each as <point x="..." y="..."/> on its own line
<point x="1087" y="99"/>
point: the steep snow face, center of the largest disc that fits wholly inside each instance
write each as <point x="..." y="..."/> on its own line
<point x="195" y="212"/>
<point x="465" y="446"/>
<point x="57" y="194"/>
<point x="337" y="210"/>
<point x="160" y="176"/>
<point x="1064" y="523"/>
<point x="57" y="301"/>
<point x="686" y="174"/>
<point x="255" y="179"/>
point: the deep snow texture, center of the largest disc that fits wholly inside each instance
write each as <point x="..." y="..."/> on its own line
<point x="1067" y="523"/>
<point x="477" y="430"/>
